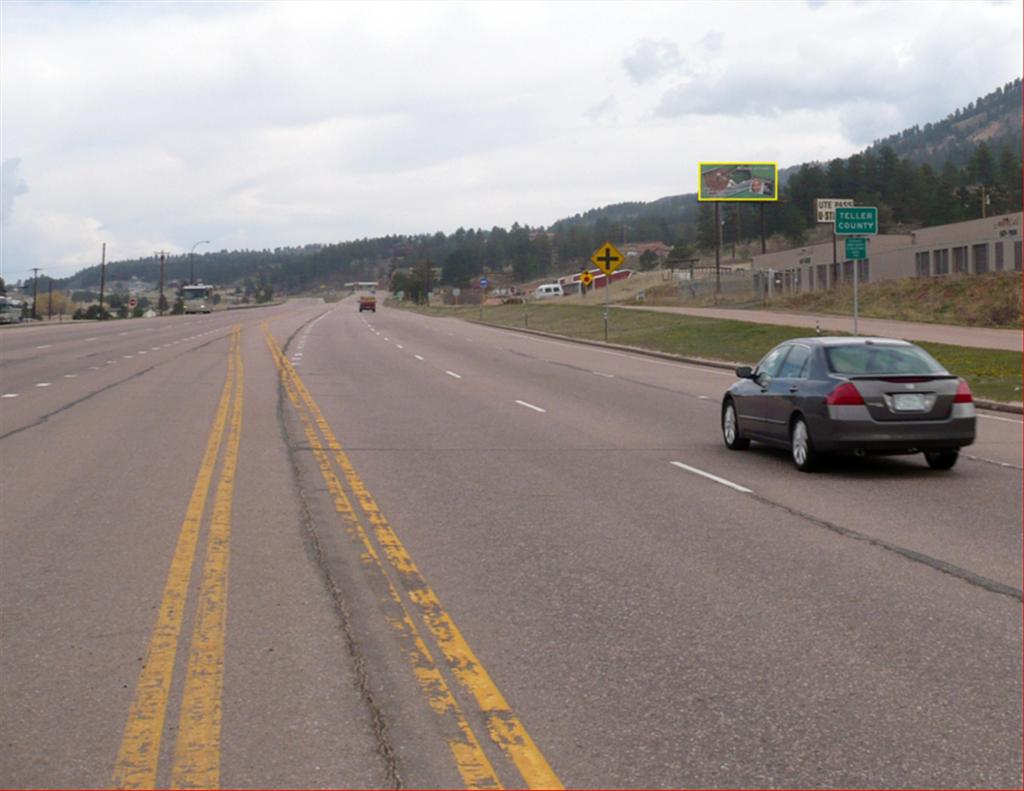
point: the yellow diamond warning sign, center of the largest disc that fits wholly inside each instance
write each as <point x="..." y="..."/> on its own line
<point x="607" y="258"/>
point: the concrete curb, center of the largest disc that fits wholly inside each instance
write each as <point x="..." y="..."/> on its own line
<point x="995" y="406"/>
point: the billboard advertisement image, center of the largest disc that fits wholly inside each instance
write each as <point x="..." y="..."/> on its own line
<point x="739" y="181"/>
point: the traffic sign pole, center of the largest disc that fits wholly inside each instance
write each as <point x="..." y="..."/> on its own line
<point x="607" y="259"/>
<point x="856" y="298"/>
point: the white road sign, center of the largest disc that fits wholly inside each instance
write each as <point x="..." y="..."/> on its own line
<point x="826" y="207"/>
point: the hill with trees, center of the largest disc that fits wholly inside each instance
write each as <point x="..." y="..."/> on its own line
<point x="922" y="176"/>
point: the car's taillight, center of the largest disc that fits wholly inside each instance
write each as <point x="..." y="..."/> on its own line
<point x="844" y="395"/>
<point x="963" y="394"/>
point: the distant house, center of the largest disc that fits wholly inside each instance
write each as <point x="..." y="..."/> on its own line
<point x="637" y="249"/>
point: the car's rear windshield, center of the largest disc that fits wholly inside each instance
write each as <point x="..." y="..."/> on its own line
<point x="873" y="358"/>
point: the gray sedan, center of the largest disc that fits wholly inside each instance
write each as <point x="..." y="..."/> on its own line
<point x="821" y="395"/>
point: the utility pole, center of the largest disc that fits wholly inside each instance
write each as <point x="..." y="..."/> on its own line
<point x="162" y="302"/>
<point x="835" y="260"/>
<point x="984" y="201"/>
<point x="103" y="277"/>
<point x="35" y="283"/>
<point x="49" y="303"/>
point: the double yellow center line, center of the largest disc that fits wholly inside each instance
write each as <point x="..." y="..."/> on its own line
<point x="196" y="760"/>
<point x="503" y="726"/>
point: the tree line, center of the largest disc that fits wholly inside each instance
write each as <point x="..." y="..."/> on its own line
<point x="907" y="195"/>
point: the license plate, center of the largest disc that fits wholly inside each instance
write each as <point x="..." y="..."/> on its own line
<point x="908" y="402"/>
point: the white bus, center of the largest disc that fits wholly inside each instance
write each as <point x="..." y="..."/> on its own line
<point x="197" y="298"/>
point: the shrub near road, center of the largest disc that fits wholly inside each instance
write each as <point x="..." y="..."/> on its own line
<point x="992" y="373"/>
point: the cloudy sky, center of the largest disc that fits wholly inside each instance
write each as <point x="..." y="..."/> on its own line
<point x="153" y="125"/>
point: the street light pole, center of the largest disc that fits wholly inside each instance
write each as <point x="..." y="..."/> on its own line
<point x="192" y="262"/>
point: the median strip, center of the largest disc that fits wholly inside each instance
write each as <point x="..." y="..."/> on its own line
<point x="138" y="755"/>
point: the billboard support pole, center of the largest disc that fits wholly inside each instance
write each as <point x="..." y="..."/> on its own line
<point x="764" y="246"/>
<point x="718" y="248"/>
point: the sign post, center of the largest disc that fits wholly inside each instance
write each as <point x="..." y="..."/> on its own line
<point x="586" y="279"/>
<point x="484" y="282"/>
<point x="607" y="258"/>
<point x="862" y="220"/>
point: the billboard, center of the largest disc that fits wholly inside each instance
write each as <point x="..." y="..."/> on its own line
<point x="738" y="181"/>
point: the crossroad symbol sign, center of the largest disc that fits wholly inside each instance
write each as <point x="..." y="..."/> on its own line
<point x="586" y="278"/>
<point x="607" y="258"/>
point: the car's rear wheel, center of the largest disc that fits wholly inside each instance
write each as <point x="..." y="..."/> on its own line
<point x="805" y="457"/>
<point x="731" y="429"/>
<point x="941" y="459"/>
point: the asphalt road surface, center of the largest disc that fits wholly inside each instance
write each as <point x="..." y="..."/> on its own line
<point x="305" y="547"/>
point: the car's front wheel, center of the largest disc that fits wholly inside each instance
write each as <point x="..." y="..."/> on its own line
<point x="941" y="459"/>
<point x="805" y="457"/>
<point x="731" y="429"/>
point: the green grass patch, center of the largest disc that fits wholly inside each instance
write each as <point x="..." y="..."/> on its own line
<point x="992" y="373"/>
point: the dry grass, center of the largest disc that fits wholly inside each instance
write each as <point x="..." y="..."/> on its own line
<point x="991" y="300"/>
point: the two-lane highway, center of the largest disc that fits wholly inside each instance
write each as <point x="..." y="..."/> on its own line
<point x="310" y="547"/>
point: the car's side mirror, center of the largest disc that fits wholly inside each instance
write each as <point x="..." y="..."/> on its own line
<point x="745" y="372"/>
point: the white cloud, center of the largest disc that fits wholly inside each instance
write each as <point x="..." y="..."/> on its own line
<point x="151" y="125"/>
<point x="650" y="60"/>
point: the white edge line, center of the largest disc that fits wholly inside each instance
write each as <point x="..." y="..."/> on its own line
<point x="1003" y="419"/>
<point x="715" y="478"/>
<point x="530" y="406"/>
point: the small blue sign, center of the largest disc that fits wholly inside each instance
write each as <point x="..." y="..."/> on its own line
<point x="484" y="282"/>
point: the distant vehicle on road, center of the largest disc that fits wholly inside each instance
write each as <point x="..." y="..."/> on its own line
<point x="367" y="303"/>
<point x="10" y="310"/>
<point x="197" y="298"/>
<point x="821" y="395"/>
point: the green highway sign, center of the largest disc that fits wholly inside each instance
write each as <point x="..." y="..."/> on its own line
<point x="856" y="248"/>
<point x="856" y="220"/>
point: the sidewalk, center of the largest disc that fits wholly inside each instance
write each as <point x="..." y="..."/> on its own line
<point x="978" y="337"/>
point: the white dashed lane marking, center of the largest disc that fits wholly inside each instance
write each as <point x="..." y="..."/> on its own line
<point x="43" y="384"/>
<point x="9" y="395"/>
<point x="714" y="478"/>
<point x="45" y="346"/>
<point x="417" y="357"/>
<point x="453" y="374"/>
<point x="530" y="406"/>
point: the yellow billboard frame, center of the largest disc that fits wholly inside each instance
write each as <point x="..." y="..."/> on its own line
<point x="775" y="183"/>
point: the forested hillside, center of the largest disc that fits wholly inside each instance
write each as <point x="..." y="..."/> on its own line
<point x="919" y="177"/>
<point x="994" y="119"/>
